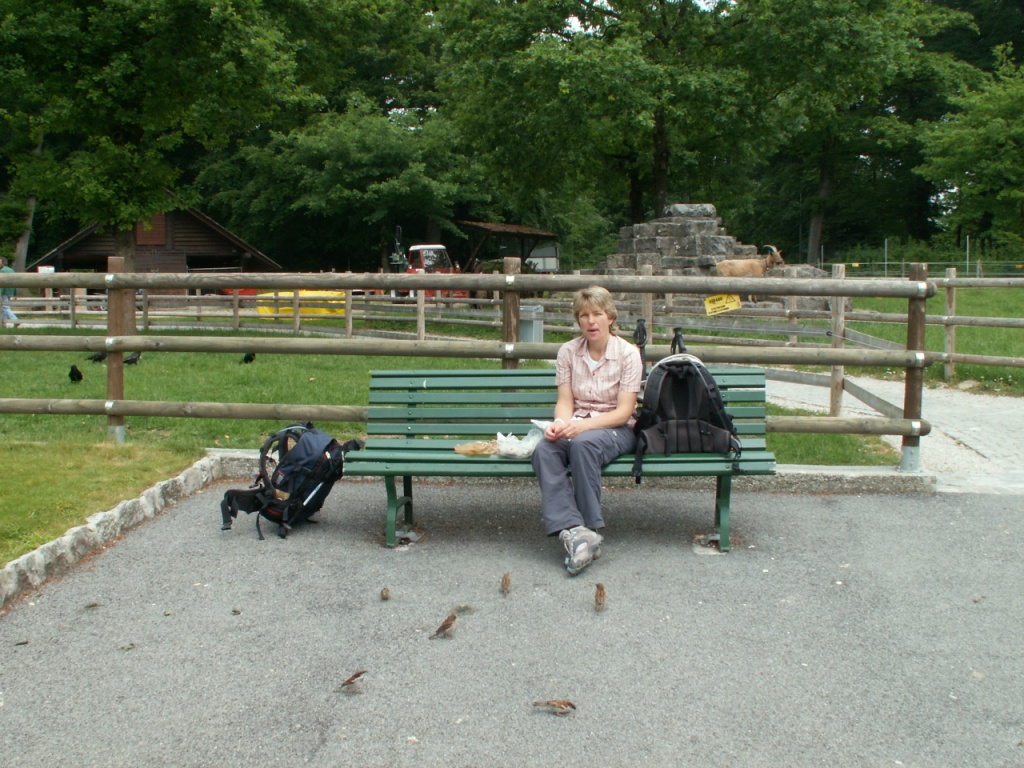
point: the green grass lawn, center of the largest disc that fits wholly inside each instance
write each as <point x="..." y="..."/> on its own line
<point x="970" y="302"/>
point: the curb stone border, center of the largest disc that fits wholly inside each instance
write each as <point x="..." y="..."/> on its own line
<point x="54" y="558"/>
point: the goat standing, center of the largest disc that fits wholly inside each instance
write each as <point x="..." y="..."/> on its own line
<point x="751" y="267"/>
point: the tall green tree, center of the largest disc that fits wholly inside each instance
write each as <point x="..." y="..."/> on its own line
<point x="117" y="94"/>
<point x="847" y="177"/>
<point x="672" y="100"/>
<point x="976" y="155"/>
<point x="330" y="193"/>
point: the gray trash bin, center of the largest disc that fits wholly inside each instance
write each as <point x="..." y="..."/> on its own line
<point x="531" y="324"/>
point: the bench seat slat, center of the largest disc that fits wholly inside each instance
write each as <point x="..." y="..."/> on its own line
<point x="683" y="465"/>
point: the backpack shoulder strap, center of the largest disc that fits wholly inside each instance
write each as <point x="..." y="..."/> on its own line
<point x="720" y="417"/>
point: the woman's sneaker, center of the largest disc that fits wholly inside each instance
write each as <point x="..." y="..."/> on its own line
<point x="583" y="546"/>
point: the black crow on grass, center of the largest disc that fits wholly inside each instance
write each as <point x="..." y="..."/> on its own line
<point x="99" y="357"/>
<point x="249" y="357"/>
<point x="133" y="358"/>
<point x="75" y="375"/>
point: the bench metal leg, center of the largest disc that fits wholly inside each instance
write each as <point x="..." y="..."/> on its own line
<point x="723" y="498"/>
<point x="396" y="502"/>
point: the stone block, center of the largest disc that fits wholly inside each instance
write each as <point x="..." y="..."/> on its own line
<point x="715" y="245"/>
<point x="106" y="524"/>
<point x="645" y="245"/>
<point x="680" y="262"/>
<point x="691" y="210"/>
<point x="12" y="584"/>
<point x="81" y="541"/>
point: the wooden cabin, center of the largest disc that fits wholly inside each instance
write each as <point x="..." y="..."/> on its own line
<point x="178" y="241"/>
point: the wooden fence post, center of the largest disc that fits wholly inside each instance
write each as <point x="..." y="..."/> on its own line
<point x="510" y="310"/>
<point x="116" y="326"/>
<point x="348" y="313"/>
<point x="145" y="310"/>
<point x="235" y="322"/>
<point x="949" y="338"/>
<point x="913" y="396"/>
<point x="421" y="315"/>
<point x="835" y="399"/>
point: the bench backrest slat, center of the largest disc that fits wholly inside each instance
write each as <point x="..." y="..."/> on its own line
<point x="477" y="404"/>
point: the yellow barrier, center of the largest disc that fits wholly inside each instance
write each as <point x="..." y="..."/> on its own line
<point x="281" y="303"/>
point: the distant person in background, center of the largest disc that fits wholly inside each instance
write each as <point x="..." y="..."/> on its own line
<point x="5" y="295"/>
<point x="598" y="377"/>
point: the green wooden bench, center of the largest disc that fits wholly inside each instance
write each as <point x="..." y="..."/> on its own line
<point x="416" y="418"/>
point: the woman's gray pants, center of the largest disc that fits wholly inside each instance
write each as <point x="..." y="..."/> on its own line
<point x="569" y="473"/>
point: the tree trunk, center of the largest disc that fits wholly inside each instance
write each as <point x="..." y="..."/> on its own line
<point x="21" y="246"/>
<point x="817" y="224"/>
<point x="636" y="197"/>
<point x="124" y="247"/>
<point x="661" y="158"/>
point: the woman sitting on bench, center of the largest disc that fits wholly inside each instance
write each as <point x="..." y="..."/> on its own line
<point x="598" y="377"/>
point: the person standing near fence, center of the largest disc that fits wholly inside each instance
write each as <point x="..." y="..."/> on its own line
<point x="598" y="377"/>
<point x="6" y="293"/>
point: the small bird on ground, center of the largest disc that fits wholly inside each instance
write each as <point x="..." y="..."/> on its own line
<point x="248" y="358"/>
<point x="506" y="584"/>
<point x="133" y="358"/>
<point x="385" y="594"/>
<point x="599" y="597"/>
<point x="351" y="685"/>
<point x="447" y="627"/>
<point x="556" y="706"/>
<point x="75" y="375"/>
<point x="99" y="357"/>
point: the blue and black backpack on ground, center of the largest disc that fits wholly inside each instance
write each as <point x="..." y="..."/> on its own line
<point x="298" y="467"/>
<point x="681" y="411"/>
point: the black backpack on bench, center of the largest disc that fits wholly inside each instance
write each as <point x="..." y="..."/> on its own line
<point x="682" y="412"/>
<point x="299" y="466"/>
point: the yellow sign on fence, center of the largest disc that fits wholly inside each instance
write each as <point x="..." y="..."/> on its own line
<point x="723" y="302"/>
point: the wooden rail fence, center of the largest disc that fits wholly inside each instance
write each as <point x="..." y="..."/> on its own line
<point x="123" y="306"/>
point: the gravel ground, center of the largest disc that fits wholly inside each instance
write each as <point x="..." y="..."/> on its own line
<point x="841" y="630"/>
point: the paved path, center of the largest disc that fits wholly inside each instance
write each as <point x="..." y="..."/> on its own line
<point x="849" y="629"/>
<point x="973" y="445"/>
<point x="842" y="630"/>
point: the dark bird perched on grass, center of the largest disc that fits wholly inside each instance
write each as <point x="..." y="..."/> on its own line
<point x="75" y="375"/>
<point x="249" y="357"/>
<point x="133" y="358"/>
<point x="99" y="357"/>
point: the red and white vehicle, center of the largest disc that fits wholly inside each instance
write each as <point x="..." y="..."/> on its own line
<point x="424" y="259"/>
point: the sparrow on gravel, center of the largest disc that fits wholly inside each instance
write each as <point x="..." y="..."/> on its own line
<point x="506" y="584"/>
<point x="556" y="706"/>
<point x="351" y="685"/>
<point x="599" y="597"/>
<point x="447" y="627"/>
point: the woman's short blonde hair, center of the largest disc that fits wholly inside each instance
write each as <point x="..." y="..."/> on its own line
<point x="595" y="297"/>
